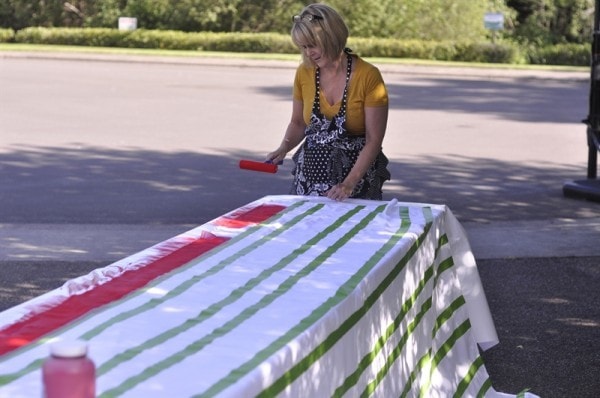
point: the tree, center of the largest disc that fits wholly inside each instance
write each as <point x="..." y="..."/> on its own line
<point x="206" y="15"/>
<point x="536" y="22"/>
<point x="104" y="13"/>
<point x="553" y="21"/>
<point x="415" y="19"/>
<point x="266" y="15"/>
<point x="151" y="14"/>
<point x="18" y="14"/>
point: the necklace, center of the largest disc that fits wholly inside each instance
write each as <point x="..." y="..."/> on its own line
<point x="317" y="100"/>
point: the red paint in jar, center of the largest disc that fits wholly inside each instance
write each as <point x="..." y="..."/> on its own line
<point x="69" y="372"/>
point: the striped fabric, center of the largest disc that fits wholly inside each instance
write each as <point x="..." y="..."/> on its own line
<point x="304" y="298"/>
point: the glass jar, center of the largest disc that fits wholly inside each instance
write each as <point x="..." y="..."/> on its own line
<point x="68" y="372"/>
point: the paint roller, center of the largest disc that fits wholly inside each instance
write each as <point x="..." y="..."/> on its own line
<point x="265" y="167"/>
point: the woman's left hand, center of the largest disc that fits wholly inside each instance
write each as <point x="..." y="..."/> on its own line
<point x="340" y="191"/>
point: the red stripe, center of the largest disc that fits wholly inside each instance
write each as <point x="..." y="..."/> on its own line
<point x="244" y="217"/>
<point x="32" y="327"/>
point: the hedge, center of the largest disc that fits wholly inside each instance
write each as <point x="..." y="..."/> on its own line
<point x="504" y="52"/>
<point x="7" y="35"/>
<point x="160" y="39"/>
<point x="561" y="54"/>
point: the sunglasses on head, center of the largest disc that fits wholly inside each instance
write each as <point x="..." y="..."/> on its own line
<point x="306" y="17"/>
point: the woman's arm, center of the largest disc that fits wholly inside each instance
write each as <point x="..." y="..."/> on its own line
<point x="294" y="134"/>
<point x="375" y="124"/>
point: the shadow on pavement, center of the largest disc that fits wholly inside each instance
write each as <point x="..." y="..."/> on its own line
<point x="518" y="99"/>
<point x="508" y="99"/>
<point x="487" y="190"/>
<point x="548" y="322"/>
<point x="35" y="278"/>
<point x="95" y="185"/>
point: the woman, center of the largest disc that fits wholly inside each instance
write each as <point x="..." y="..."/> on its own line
<point x="340" y="110"/>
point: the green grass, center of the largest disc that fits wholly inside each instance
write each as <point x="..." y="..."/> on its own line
<point x="11" y="47"/>
<point x="140" y="51"/>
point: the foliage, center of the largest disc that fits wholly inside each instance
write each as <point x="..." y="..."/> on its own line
<point x="6" y="35"/>
<point x="437" y="50"/>
<point x="266" y="15"/>
<point x="489" y="53"/>
<point x="106" y="14"/>
<point x="560" y="54"/>
<point x="553" y="21"/>
<point x="431" y="29"/>
<point x="160" y="39"/>
<point x="527" y="21"/>
<point x="264" y="43"/>
<point x="416" y="19"/>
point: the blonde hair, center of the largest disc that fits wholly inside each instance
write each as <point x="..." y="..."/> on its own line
<point x="329" y="33"/>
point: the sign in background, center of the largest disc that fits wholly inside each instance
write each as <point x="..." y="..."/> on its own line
<point x="127" y="23"/>
<point x="493" y="20"/>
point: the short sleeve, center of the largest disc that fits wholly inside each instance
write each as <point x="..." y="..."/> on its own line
<point x="297" y="90"/>
<point x="304" y="90"/>
<point x="376" y="90"/>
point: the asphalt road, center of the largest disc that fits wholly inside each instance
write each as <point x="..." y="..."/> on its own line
<point x="101" y="157"/>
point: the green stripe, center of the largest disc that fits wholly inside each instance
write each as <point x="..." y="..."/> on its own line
<point x="366" y="361"/>
<point x="198" y="345"/>
<point x="521" y="394"/>
<point x="428" y="214"/>
<point x="394" y="355"/>
<point x="445" y="265"/>
<point x="444" y="350"/>
<point x="339" y="296"/>
<point x="466" y="381"/>
<point x="423" y="363"/>
<point x="35" y="365"/>
<point x="426" y="359"/>
<point x="9" y="378"/>
<point x="443" y="240"/>
<point x="484" y="388"/>
<point x="235" y="295"/>
<point x="447" y="313"/>
<point x="183" y="287"/>
<point x="280" y="384"/>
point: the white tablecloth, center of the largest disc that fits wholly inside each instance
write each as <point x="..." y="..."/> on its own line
<point x="292" y="297"/>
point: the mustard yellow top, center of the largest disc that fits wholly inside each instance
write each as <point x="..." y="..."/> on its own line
<point x="365" y="89"/>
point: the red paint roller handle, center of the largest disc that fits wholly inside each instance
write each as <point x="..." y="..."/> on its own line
<point x="258" y="166"/>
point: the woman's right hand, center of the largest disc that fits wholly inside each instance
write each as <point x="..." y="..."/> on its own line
<point x="277" y="155"/>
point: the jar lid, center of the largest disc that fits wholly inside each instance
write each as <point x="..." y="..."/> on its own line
<point x="69" y="349"/>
